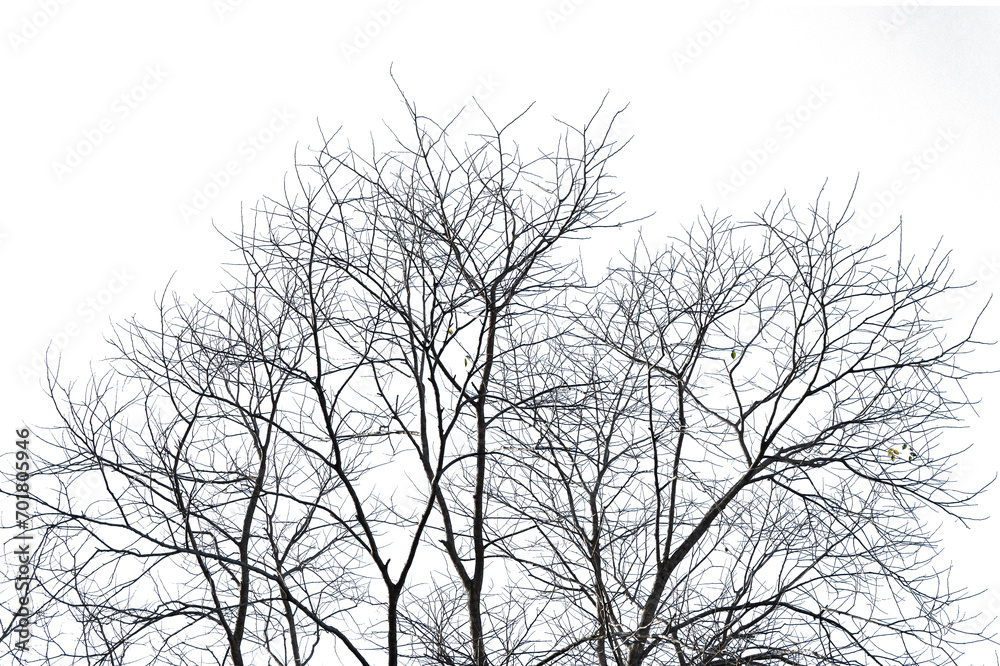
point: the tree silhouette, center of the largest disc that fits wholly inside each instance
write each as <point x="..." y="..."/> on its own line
<point x="409" y="431"/>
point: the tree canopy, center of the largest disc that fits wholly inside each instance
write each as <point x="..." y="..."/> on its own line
<point x="409" y="430"/>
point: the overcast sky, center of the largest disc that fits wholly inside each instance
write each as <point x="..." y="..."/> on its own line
<point x="129" y="128"/>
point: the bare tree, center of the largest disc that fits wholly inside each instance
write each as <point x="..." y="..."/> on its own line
<point x="276" y="461"/>
<point x="408" y="431"/>
<point x="742" y="471"/>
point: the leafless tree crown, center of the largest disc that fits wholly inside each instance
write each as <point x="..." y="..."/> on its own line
<point x="409" y="431"/>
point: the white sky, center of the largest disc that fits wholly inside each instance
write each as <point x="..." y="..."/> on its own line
<point x="708" y="87"/>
